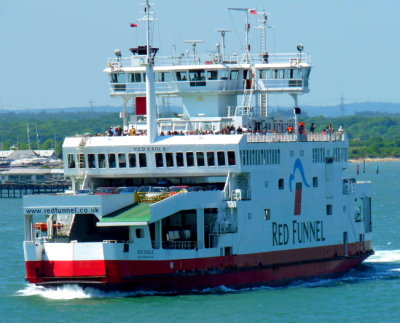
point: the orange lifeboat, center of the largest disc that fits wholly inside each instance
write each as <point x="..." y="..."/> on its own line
<point x="41" y="226"/>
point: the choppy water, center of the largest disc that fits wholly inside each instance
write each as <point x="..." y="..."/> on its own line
<point x="369" y="293"/>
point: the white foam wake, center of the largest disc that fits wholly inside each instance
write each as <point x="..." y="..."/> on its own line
<point x="69" y="291"/>
<point x="64" y="292"/>
<point x="385" y="256"/>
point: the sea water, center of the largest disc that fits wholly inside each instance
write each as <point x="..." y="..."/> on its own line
<point x="369" y="293"/>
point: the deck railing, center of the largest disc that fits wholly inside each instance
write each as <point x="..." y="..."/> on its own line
<point x="284" y="137"/>
<point x="179" y="245"/>
<point x="273" y="58"/>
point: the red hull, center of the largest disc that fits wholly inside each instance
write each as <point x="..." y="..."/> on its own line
<point x="237" y="271"/>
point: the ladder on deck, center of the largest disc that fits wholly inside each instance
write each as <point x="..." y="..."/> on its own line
<point x="248" y="92"/>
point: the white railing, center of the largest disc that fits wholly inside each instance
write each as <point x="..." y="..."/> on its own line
<point x="136" y="61"/>
<point x="278" y="137"/>
<point x="180" y="245"/>
<point x="236" y="111"/>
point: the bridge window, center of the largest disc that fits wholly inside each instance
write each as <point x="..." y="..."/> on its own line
<point x="132" y="160"/>
<point x="142" y="160"/>
<point x="118" y="78"/>
<point x="179" y="160"/>
<point x="210" y="158"/>
<point x="169" y="159"/>
<point x="234" y="75"/>
<point x="231" y="158"/>
<point x="102" y="160"/>
<point x="212" y="75"/>
<point x="159" y="160"/>
<point x="200" y="158"/>
<point x="71" y="161"/>
<point x="121" y="160"/>
<point x="181" y="76"/>
<point x="164" y="77"/>
<point x="224" y="74"/>
<point x="295" y="73"/>
<point x="135" y="77"/>
<point x="189" y="159"/>
<point x="221" y="158"/>
<point x="114" y="78"/>
<point x="197" y="77"/>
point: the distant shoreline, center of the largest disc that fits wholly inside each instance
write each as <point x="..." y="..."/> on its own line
<point x="371" y="160"/>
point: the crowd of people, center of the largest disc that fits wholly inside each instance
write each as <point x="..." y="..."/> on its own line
<point x="118" y="131"/>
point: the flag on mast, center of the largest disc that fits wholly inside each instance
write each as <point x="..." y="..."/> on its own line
<point x="253" y="11"/>
<point x="134" y="25"/>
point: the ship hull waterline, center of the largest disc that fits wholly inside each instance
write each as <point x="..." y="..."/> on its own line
<point x="121" y="274"/>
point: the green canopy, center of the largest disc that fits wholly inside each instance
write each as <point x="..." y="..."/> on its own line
<point x="135" y="214"/>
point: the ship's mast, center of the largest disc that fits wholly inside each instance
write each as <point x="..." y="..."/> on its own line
<point x="150" y="89"/>
<point x="223" y="32"/>
<point x="246" y="54"/>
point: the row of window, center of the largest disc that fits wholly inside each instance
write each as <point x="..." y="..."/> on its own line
<point x="191" y="75"/>
<point x="199" y="159"/>
<point x="203" y="75"/>
<point x="293" y="73"/>
<point x="260" y="157"/>
<point x="133" y="160"/>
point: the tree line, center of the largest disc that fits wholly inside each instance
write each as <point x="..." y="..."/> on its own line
<point x="369" y="136"/>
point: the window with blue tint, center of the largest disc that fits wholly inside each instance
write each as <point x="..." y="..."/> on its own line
<point x="181" y="76"/>
<point x="234" y="75"/>
<point x="179" y="160"/>
<point x="135" y="77"/>
<point x="111" y="161"/>
<point x="142" y="160"/>
<point x="121" y="160"/>
<point x="159" y="160"/>
<point x="169" y="159"/>
<point x="212" y="75"/>
<point x="210" y="158"/>
<point x="92" y="160"/>
<point x="200" y="158"/>
<point x="189" y="159"/>
<point x="224" y="74"/>
<point x="221" y="158"/>
<point x="132" y="160"/>
<point x="164" y="77"/>
<point x="102" y="160"/>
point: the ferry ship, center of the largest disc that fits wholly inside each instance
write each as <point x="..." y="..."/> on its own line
<point x="219" y="193"/>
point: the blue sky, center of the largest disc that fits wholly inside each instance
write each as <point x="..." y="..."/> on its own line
<point x="53" y="52"/>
